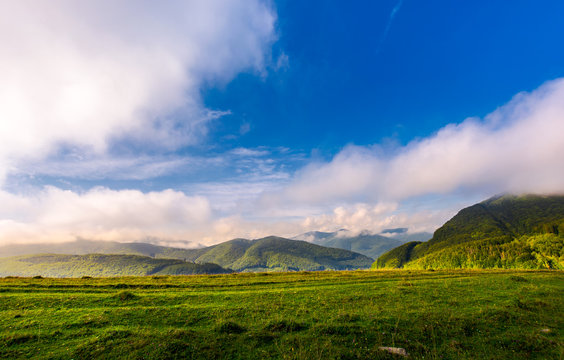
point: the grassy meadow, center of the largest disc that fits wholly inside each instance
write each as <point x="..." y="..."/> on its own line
<point x="465" y="314"/>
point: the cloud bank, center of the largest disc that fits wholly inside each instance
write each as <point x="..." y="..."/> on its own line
<point x="516" y="148"/>
<point x="89" y="75"/>
<point x="56" y="215"/>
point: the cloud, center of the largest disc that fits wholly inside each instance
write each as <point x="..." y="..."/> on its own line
<point x="516" y="148"/>
<point x="214" y="211"/>
<point x="250" y="163"/>
<point x="88" y="75"/>
<point x="165" y="217"/>
<point x="250" y="152"/>
<point x="377" y="217"/>
<point x="98" y="167"/>
<point x="172" y="218"/>
<point x="56" y="215"/>
<point x="283" y="62"/>
<point x="389" y="25"/>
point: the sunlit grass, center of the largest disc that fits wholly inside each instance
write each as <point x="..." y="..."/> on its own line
<point x="324" y="315"/>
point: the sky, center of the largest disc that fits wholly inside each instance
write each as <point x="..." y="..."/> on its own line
<point x="188" y="123"/>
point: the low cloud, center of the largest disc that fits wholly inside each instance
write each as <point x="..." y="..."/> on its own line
<point x="55" y="215"/>
<point x="376" y="218"/>
<point x="517" y="148"/>
<point x="164" y="217"/>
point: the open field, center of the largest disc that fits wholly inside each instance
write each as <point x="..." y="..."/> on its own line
<point x="318" y="315"/>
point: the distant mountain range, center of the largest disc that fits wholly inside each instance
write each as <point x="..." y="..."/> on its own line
<point x="502" y="232"/>
<point x="56" y="265"/>
<point x="365" y="243"/>
<point x="82" y="247"/>
<point x="266" y="254"/>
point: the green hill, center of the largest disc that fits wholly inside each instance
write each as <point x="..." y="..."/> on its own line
<point x="278" y="254"/>
<point x="502" y="232"/>
<point x="267" y="254"/>
<point x="53" y="265"/>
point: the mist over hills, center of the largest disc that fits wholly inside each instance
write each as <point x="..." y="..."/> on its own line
<point x="366" y="243"/>
<point x="506" y="231"/>
<point x="83" y="247"/>
<point x="266" y="254"/>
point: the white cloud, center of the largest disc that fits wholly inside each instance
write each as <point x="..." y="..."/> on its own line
<point x="517" y="148"/>
<point x="76" y="77"/>
<point x="165" y="217"/>
<point x="96" y="167"/>
<point x="244" y="162"/>
<point x="283" y="62"/>
<point x="57" y="215"/>
<point x="85" y="74"/>
<point x="375" y="218"/>
<point x="250" y="152"/>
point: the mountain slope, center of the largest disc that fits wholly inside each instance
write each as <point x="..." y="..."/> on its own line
<point x="52" y="265"/>
<point x="83" y="247"/>
<point x="276" y="253"/>
<point x="267" y="254"/>
<point x="364" y="243"/>
<point x="279" y="254"/>
<point x="505" y="231"/>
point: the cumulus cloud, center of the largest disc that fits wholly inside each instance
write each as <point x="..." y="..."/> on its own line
<point x="56" y="215"/>
<point x="87" y="74"/>
<point x="377" y="217"/>
<point x="516" y="148"/>
<point x="164" y="217"/>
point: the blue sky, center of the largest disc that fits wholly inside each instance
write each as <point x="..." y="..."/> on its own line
<point x="442" y="61"/>
<point x="192" y="123"/>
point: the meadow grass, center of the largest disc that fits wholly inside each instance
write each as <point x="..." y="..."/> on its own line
<point x="309" y="315"/>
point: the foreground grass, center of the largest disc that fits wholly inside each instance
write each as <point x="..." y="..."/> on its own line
<point x="320" y="315"/>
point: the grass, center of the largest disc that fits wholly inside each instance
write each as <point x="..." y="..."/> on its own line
<point x="318" y="315"/>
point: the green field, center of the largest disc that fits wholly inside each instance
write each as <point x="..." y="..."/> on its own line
<point x="319" y="315"/>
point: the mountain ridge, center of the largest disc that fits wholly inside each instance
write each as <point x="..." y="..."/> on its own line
<point x="365" y="242"/>
<point x="106" y="265"/>
<point x="502" y="231"/>
<point x="265" y="254"/>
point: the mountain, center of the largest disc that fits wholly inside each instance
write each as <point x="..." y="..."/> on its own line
<point x="279" y="254"/>
<point x="365" y="243"/>
<point x="267" y="254"/>
<point x="507" y="231"/>
<point x="83" y="247"/>
<point x="53" y="265"/>
<point x="406" y="237"/>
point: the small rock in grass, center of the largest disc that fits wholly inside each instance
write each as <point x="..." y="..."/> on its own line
<point x="545" y="330"/>
<point x="394" y="350"/>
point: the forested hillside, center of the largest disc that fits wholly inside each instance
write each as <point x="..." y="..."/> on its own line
<point x="52" y="265"/>
<point x="267" y="254"/>
<point x="502" y="232"/>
